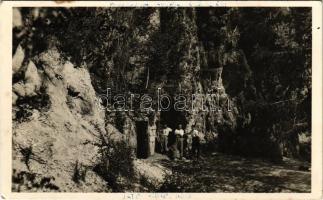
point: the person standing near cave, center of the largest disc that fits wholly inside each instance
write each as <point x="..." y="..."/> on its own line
<point x="195" y="144"/>
<point x="164" y="139"/>
<point x="180" y="139"/>
<point x="188" y="141"/>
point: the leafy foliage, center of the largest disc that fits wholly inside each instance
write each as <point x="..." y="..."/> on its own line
<point x="266" y="55"/>
<point x="116" y="165"/>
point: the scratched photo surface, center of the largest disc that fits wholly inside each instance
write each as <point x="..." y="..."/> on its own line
<point x="165" y="99"/>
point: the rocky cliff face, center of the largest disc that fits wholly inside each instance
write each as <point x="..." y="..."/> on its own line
<point x="194" y="73"/>
<point x="56" y="125"/>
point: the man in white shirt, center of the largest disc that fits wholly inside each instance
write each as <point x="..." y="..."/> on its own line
<point x="180" y="139"/>
<point x="164" y="138"/>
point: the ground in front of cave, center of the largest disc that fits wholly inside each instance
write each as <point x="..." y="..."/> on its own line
<point x="216" y="172"/>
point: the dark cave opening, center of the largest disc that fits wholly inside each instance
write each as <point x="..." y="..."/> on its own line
<point x="172" y="118"/>
<point x="142" y="139"/>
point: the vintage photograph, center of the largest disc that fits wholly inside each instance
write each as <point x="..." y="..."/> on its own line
<point x="161" y="99"/>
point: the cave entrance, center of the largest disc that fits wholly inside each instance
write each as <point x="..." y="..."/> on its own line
<point x="172" y="118"/>
<point x="142" y="139"/>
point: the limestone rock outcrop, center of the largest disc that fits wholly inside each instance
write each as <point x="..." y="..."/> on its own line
<point x="57" y="124"/>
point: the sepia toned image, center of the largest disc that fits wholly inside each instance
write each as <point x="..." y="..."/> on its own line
<point x="162" y="99"/>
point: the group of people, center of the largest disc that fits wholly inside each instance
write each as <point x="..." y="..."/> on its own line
<point x="179" y="144"/>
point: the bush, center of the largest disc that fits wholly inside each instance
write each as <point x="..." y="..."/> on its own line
<point x="23" y="181"/>
<point x="177" y="182"/>
<point x="116" y="166"/>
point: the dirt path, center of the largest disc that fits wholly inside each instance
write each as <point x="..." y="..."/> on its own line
<point x="226" y="173"/>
